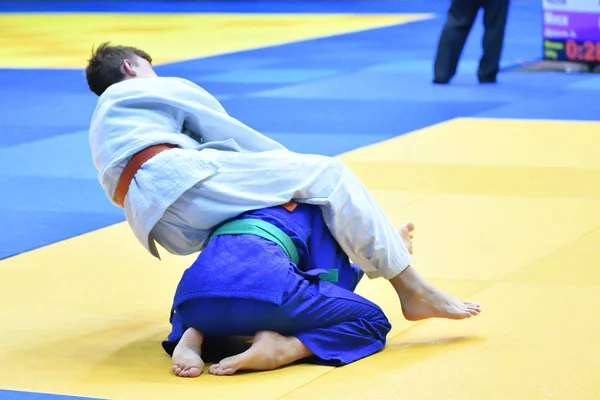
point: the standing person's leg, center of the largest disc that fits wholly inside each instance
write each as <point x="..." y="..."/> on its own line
<point x="495" y="15"/>
<point x="461" y="15"/>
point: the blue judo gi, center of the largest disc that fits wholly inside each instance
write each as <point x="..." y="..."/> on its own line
<point x="244" y="283"/>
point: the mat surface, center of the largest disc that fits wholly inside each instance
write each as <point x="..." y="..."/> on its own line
<point x="501" y="181"/>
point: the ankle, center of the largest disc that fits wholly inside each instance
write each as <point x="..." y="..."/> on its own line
<point x="409" y="284"/>
<point x="193" y="339"/>
<point x="293" y="349"/>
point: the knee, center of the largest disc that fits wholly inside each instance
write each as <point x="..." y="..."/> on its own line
<point x="459" y="21"/>
<point x="462" y="25"/>
<point x="384" y="323"/>
<point x="379" y="324"/>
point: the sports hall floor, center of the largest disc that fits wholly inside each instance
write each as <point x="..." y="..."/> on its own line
<point x="503" y="183"/>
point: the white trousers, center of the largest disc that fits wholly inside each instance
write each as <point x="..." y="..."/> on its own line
<point x="249" y="181"/>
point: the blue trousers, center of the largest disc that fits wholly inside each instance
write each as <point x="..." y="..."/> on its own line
<point x="335" y="324"/>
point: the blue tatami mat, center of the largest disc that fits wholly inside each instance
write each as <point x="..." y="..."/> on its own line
<point x="16" y="395"/>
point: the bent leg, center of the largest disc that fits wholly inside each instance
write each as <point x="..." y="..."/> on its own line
<point x="347" y="342"/>
<point x="339" y="326"/>
<point x="319" y="322"/>
<point x="248" y="181"/>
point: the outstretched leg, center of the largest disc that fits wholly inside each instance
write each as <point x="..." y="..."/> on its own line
<point x="249" y="181"/>
<point x="353" y="216"/>
<point x="187" y="362"/>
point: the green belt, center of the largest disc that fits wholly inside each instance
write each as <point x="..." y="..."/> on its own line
<point x="263" y="229"/>
<point x="270" y="232"/>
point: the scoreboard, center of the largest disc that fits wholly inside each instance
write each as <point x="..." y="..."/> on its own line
<point x="571" y="30"/>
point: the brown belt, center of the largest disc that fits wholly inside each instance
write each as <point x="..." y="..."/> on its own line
<point x="134" y="164"/>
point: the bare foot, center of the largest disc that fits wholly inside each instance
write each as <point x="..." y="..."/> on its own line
<point x="270" y="350"/>
<point x="405" y="231"/>
<point x="420" y="300"/>
<point x="187" y="362"/>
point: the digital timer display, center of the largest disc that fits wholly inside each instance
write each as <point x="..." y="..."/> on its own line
<point x="582" y="51"/>
<point x="572" y="50"/>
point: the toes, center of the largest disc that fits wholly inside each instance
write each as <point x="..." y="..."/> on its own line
<point x="193" y="372"/>
<point x="407" y="228"/>
<point x="218" y="369"/>
<point x="226" y="371"/>
<point x="187" y="372"/>
<point x="466" y="310"/>
<point x="472" y="308"/>
<point x="215" y="369"/>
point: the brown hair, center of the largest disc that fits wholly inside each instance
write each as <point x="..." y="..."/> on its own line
<point x="104" y="67"/>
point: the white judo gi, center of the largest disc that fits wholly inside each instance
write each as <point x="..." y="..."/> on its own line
<point x="221" y="169"/>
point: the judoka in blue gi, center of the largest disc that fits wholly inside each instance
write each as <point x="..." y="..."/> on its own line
<point x="168" y="153"/>
<point x="279" y="275"/>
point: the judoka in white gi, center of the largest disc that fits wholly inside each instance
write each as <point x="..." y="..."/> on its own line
<point x="219" y="168"/>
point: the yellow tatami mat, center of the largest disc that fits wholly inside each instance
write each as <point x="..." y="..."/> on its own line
<point x="44" y="42"/>
<point x="507" y="214"/>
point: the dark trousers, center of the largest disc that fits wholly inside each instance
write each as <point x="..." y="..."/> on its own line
<point x="461" y="16"/>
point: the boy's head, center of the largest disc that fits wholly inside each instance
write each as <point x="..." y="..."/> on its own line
<point x="111" y="64"/>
